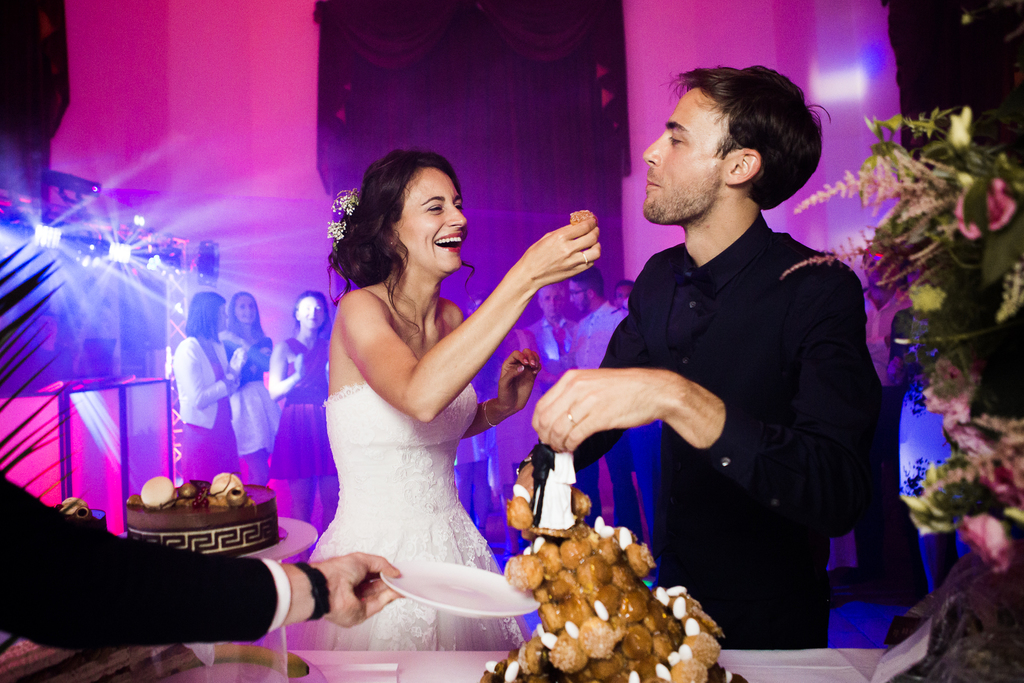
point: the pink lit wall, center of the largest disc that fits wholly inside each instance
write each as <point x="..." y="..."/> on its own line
<point x="209" y="107"/>
<point x="838" y="52"/>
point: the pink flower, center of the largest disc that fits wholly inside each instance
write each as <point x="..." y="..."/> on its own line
<point x="1002" y="485"/>
<point x="1001" y="206"/>
<point x="945" y="369"/>
<point x="968" y="438"/>
<point x="987" y="537"/>
<point x="969" y="230"/>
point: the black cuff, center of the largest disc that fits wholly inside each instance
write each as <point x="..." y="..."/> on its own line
<point x="321" y="593"/>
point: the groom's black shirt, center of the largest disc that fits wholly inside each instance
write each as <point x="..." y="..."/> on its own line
<point x="787" y="356"/>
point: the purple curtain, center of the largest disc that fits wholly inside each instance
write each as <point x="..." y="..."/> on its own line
<point x="33" y="96"/>
<point x="526" y="98"/>
<point x="940" y="63"/>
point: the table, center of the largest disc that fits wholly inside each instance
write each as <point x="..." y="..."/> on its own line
<point x="757" y="666"/>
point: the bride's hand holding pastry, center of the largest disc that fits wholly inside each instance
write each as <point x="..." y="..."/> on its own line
<point x="559" y="254"/>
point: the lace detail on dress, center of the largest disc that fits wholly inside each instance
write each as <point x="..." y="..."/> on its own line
<point x="399" y="501"/>
<point x="345" y="392"/>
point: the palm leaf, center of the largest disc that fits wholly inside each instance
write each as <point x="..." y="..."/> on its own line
<point x="17" y="346"/>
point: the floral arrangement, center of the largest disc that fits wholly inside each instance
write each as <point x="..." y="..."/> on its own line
<point x="952" y="238"/>
<point x="344" y="204"/>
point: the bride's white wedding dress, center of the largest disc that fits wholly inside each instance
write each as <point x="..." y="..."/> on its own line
<point x="398" y="500"/>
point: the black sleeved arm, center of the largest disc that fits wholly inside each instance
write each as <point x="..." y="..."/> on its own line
<point x="75" y="588"/>
<point x="813" y="469"/>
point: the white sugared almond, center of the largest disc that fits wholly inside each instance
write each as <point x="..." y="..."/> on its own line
<point x="157" y="492"/>
<point x="601" y="610"/>
<point x="572" y="629"/>
<point x="606" y="531"/>
<point x="538" y="544"/>
<point x="625" y="538"/>
<point x="661" y="595"/>
<point x="512" y="672"/>
<point x="634" y="677"/>
<point x="676" y="590"/>
<point x="599" y="524"/>
<point x="663" y="673"/>
<point x="539" y="631"/>
<point x="692" y="627"/>
<point x="679" y="608"/>
<point x="519" y="491"/>
<point x="728" y="676"/>
<point x="491" y="666"/>
<point x="528" y="550"/>
<point x="673" y="658"/>
<point x="685" y="653"/>
<point x="549" y="640"/>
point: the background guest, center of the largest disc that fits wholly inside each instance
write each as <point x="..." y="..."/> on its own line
<point x="254" y="416"/>
<point x="475" y="454"/>
<point x="298" y="373"/>
<point x="554" y="334"/>
<point x="623" y="288"/>
<point x="205" y="380"/>
<point x="600" y="318"/>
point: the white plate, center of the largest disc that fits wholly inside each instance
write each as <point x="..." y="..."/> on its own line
<point x="466" y="591"/>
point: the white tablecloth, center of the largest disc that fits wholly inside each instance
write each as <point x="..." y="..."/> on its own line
<point x="757" y="666"/>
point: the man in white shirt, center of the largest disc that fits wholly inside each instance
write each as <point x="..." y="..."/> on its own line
<point x="555" y="335"/>
<point x="600" y="318"/>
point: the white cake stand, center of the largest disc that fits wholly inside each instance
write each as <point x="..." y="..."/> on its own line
<point x="299" y="536"/>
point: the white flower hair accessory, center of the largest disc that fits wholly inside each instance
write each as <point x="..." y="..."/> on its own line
<point x="343" y="206"/>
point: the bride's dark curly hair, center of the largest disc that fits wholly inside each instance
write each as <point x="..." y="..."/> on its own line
<point x="370" y="253"/>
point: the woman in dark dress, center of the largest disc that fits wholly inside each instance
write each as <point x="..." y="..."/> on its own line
<point x="298" y="373"/>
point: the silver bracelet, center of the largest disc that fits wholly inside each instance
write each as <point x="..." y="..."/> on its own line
<point x="487" y="419"/>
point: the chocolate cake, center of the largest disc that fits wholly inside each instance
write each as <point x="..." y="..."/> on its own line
<point x="235" y="520"/>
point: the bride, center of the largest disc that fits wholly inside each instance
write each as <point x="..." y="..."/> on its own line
<point x="401" y="361"/>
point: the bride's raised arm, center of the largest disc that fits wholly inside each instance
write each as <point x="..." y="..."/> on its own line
<point x="423" y="384"/>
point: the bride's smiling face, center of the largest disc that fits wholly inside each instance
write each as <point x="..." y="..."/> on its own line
<point x="432" y="227"/>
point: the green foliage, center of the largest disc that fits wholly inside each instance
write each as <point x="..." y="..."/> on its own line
<point x="17" y="345"/>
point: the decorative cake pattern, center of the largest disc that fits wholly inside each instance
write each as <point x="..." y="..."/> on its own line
<point x="238" y="539"/>
<point x="219" y="518"/>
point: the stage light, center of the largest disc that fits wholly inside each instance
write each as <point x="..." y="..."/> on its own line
<point x="140" y="221"/>
<point x="120" y="252"/>
<point x="207" y="263"/>
<point x="47" y="237"/>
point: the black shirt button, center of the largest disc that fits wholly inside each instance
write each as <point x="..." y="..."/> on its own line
<point x="693" y="304"/>
<point x="775" y="502"/>
<point x="725" y="462"/>
<point x="686" y="359"/>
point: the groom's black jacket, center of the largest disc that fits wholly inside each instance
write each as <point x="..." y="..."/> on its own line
<point x="788" y="358"/>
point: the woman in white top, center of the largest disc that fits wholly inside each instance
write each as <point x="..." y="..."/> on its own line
<point x="254" y="416"/>
<point x="205" y="381"/>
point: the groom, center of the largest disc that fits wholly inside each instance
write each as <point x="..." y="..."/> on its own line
<point x="761" y="375"/>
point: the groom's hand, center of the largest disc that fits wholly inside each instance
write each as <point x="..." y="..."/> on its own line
<point x="585" y="402"/>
